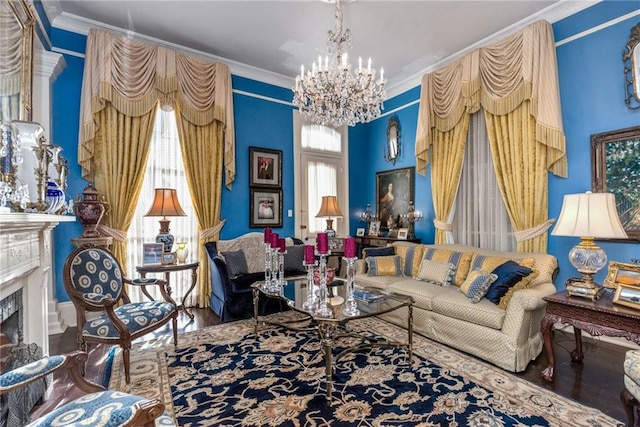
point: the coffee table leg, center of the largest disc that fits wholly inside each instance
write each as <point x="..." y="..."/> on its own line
<point x="256" y="298"/>
<point x="410" y="332"/>
<point x="327" y="332"/>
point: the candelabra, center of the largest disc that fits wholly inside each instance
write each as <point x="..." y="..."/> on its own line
<point x="323" y="309"/>
<point x="279" y="283"/>
<point x="367" y="216"/>
<point x="351" y="308"/>
<point x="310" y="303"/>
<point x="412" y="216"/>
<point x="268" y="265"/>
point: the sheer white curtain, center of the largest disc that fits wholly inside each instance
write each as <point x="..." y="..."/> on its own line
<point x="165" y="168"/>
<point x="321" y="181"/>
<point x="481" y="218"/>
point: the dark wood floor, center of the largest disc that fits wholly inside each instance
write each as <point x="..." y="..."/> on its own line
<point x="596" y="383"/>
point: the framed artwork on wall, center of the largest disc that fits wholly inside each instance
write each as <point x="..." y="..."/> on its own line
<point x="265" y="167"/>
<point x="615" y="168"/>
<point x="152" y="253"/>
<point x="265" y="208"/>
<point x="394" y="190"/>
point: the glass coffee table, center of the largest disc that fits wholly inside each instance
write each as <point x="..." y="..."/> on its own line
<point x="329" y="329"/>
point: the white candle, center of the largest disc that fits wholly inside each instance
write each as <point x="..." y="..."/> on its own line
<point x="302" y="71"/>
<point x="326" y="62"/>
<point x="360" y="63"/>
<point x="381" y="74"/>
<point x="369" y="66"/>
<point x="344" y="60"/>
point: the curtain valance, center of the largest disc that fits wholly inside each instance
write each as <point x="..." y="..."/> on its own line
<point x="134" y="76"/>
<point x="10" y="54"/>
<point x="497" y="78"/>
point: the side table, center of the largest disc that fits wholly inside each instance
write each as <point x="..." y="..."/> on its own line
<point x="600" y="317"/>
<point x="167" y="269"/>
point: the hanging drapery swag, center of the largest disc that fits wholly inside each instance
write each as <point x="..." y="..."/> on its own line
<point x="134" y="77"/>
<point x="497" y="78"/>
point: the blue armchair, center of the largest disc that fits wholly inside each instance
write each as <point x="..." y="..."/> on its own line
<point x="231" y="295"/>
<point x="99" y="407"/>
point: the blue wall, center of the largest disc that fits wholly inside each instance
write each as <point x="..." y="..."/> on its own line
<point x="590" y="73"/>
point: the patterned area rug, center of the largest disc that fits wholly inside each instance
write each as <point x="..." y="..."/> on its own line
<point x="223" y="376"/>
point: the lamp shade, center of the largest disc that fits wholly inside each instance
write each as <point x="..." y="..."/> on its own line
<point x="329" y="207"/>
<point x="165" y="203"/>
<point x="589" y="215"/>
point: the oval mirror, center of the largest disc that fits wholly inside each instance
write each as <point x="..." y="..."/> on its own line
<point x="392" y="150"/>
<point x="631" y="59"/>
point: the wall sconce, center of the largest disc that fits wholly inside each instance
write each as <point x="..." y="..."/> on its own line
<point x="367" y="216"/>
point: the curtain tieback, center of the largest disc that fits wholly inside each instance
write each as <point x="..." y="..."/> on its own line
<point x="533" y="232"/>
<point x="445" y="226"/>
<point x="210" y="232"/>
<point x="118" y="235"/>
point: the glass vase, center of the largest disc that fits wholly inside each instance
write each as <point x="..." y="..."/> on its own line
<point x="182" y="252"/>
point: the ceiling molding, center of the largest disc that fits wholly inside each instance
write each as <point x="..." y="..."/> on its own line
<point x="552" y="14"/>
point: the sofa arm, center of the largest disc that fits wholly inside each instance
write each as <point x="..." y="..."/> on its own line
<point x="526" y="307"/>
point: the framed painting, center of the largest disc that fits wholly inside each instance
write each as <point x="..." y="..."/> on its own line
<point x="627" y="295"/>
<point x="620" y="273"/>
<point x="394" y="190"/>
<point x="265" y="167"/>
<point x="265" y="208"/>
<point x="615" y="168"/>
<point x="152" y="253"/>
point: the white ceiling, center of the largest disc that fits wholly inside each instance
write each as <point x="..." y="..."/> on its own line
<point x="269" y="40"/>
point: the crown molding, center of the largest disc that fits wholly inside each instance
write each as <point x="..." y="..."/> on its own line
<point x="552" y="14"/>
<point x="48" y="64"/>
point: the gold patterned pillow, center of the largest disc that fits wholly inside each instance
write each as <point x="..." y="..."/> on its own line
<point x="438" y="273"/>
<point x="476" y="285"/>
<point x="460" y="260"/>
<point x="384" y="266"/>
<point x="490" y="262"/>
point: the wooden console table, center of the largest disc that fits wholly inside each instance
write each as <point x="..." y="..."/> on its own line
<point x="600" y="317"/>
<point x="375" y="241"/>
<point x="167" y="269"/>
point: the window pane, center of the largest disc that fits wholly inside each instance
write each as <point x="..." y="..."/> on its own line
<point x="322" y="138"/>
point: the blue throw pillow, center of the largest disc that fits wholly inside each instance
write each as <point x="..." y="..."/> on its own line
<point x="236" y="263"/>
<point x="373" y="252"/>
<point x="508" y="274"/>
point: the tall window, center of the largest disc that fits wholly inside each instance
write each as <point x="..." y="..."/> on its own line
<point x="165" y="169"/>
<point x="320" y="156"/>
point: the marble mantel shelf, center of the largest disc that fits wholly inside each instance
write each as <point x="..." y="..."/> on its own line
<point x="25" y="263"/>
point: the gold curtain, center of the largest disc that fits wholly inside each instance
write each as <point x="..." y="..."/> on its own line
<point x="519" y="69"/>
<point x="121" y="152"/>
<point x="520" y="165"/>
<point x="202" y="150"/>
<point x="447" y="151"/>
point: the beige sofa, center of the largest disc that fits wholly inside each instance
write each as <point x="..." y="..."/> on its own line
<point x="509" y="338"/>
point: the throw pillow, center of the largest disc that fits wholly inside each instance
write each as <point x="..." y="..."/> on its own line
<point x="411" y="256"/>
<point x="293" y="258"/>
<point x="490" y="262"/>
<point x="374" y="252"/>
<point x="460" y="260"/>
<point x="476" y="285"/>
<point x="236" y="263"/>
<point x="522" y="284"/>
<point x="438" y="273"/>
<point x="509" y="273"/>
<point x="384" y="266"/>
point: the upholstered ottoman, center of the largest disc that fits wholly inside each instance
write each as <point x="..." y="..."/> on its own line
<point x="631" y="393"/>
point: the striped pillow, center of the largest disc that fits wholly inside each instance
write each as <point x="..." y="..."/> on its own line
<point x="476" y="285"/>
<point x="411" y="256"/>
<point x="461" y="261"/>
<point x="384" y="266"/>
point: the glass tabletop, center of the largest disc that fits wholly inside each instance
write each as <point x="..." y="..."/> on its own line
<point x="372" y="302"/>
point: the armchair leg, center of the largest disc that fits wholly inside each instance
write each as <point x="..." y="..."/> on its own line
<point x="174" y="322"/>
<point x="628" y="402"/>
<point x="83" y="348"/>
<point x="126" y="360"/>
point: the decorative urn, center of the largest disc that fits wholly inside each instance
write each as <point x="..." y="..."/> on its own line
<point x="89" y="211"/>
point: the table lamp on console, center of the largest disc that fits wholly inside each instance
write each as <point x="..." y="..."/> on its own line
<point x="329" y="208"/>
<point x="165" y="203"/>
<point x="589" y="216"/>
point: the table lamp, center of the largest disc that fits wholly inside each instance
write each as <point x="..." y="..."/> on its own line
<point x="329" y="208"/>
<point x="165" y="203"/>
<point x="588" y="216"/>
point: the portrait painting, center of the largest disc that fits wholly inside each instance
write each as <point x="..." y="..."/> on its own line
<point x="265" y="208"/>
<point x="394" y="190"/>
<point x="265" y="167"/>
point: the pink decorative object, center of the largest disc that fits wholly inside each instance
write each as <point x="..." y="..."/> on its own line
<point x="350" y="247"/>
<point x="309" y="254"/>
<point x="323" y="243"/>
<point x="274" y="240"/>
<point x="331" y="274"/>
<point x="282" y="244"/>
<point x="267" y="235"/>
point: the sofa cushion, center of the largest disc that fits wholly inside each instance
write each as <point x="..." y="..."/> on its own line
<point x="458" y="306"/>
<point x="490" y="262"/>
<point x="411" y="256"/>
<point x="421" y="292"/>
<point x="384" y="265"/>
<point x="437" y="273"/>
<point x="381" y="282"/>
<point x="509" y="273"/>
<point x="243" y="283"/>
<point x="461" y="261"/>
<point x="476" y="285"/>
<point x="293" y="258"/>
<point x="236" y="262"/>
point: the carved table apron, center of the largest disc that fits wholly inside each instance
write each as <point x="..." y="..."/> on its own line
<point x="600" y="317"/>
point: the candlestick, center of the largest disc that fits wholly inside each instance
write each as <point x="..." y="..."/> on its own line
<point x="310" y="303"/>
<point x="268" y="264"/>
<point x="323" y="309"/>
<point x="350" y="247"/>
<point x="351" y="308"/>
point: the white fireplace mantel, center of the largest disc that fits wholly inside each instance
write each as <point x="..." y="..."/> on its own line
<point x="25" y="263"/>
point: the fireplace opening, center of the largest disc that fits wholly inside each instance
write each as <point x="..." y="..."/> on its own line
<point x="14" y="353"/>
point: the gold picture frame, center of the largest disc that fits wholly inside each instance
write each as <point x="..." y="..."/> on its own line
<point x="627" y="295"/>
<point x="620" y="273"/>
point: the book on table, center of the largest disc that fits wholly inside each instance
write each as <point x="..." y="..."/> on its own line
<point x="368" y="295"/>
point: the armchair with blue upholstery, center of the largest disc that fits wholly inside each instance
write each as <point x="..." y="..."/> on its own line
<point x="94" y="281"/>
<point x="99" y="408"/>
<point x="235" y="265"/>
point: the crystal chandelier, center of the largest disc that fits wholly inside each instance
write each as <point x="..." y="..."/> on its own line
<point x="330" y="93"/>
